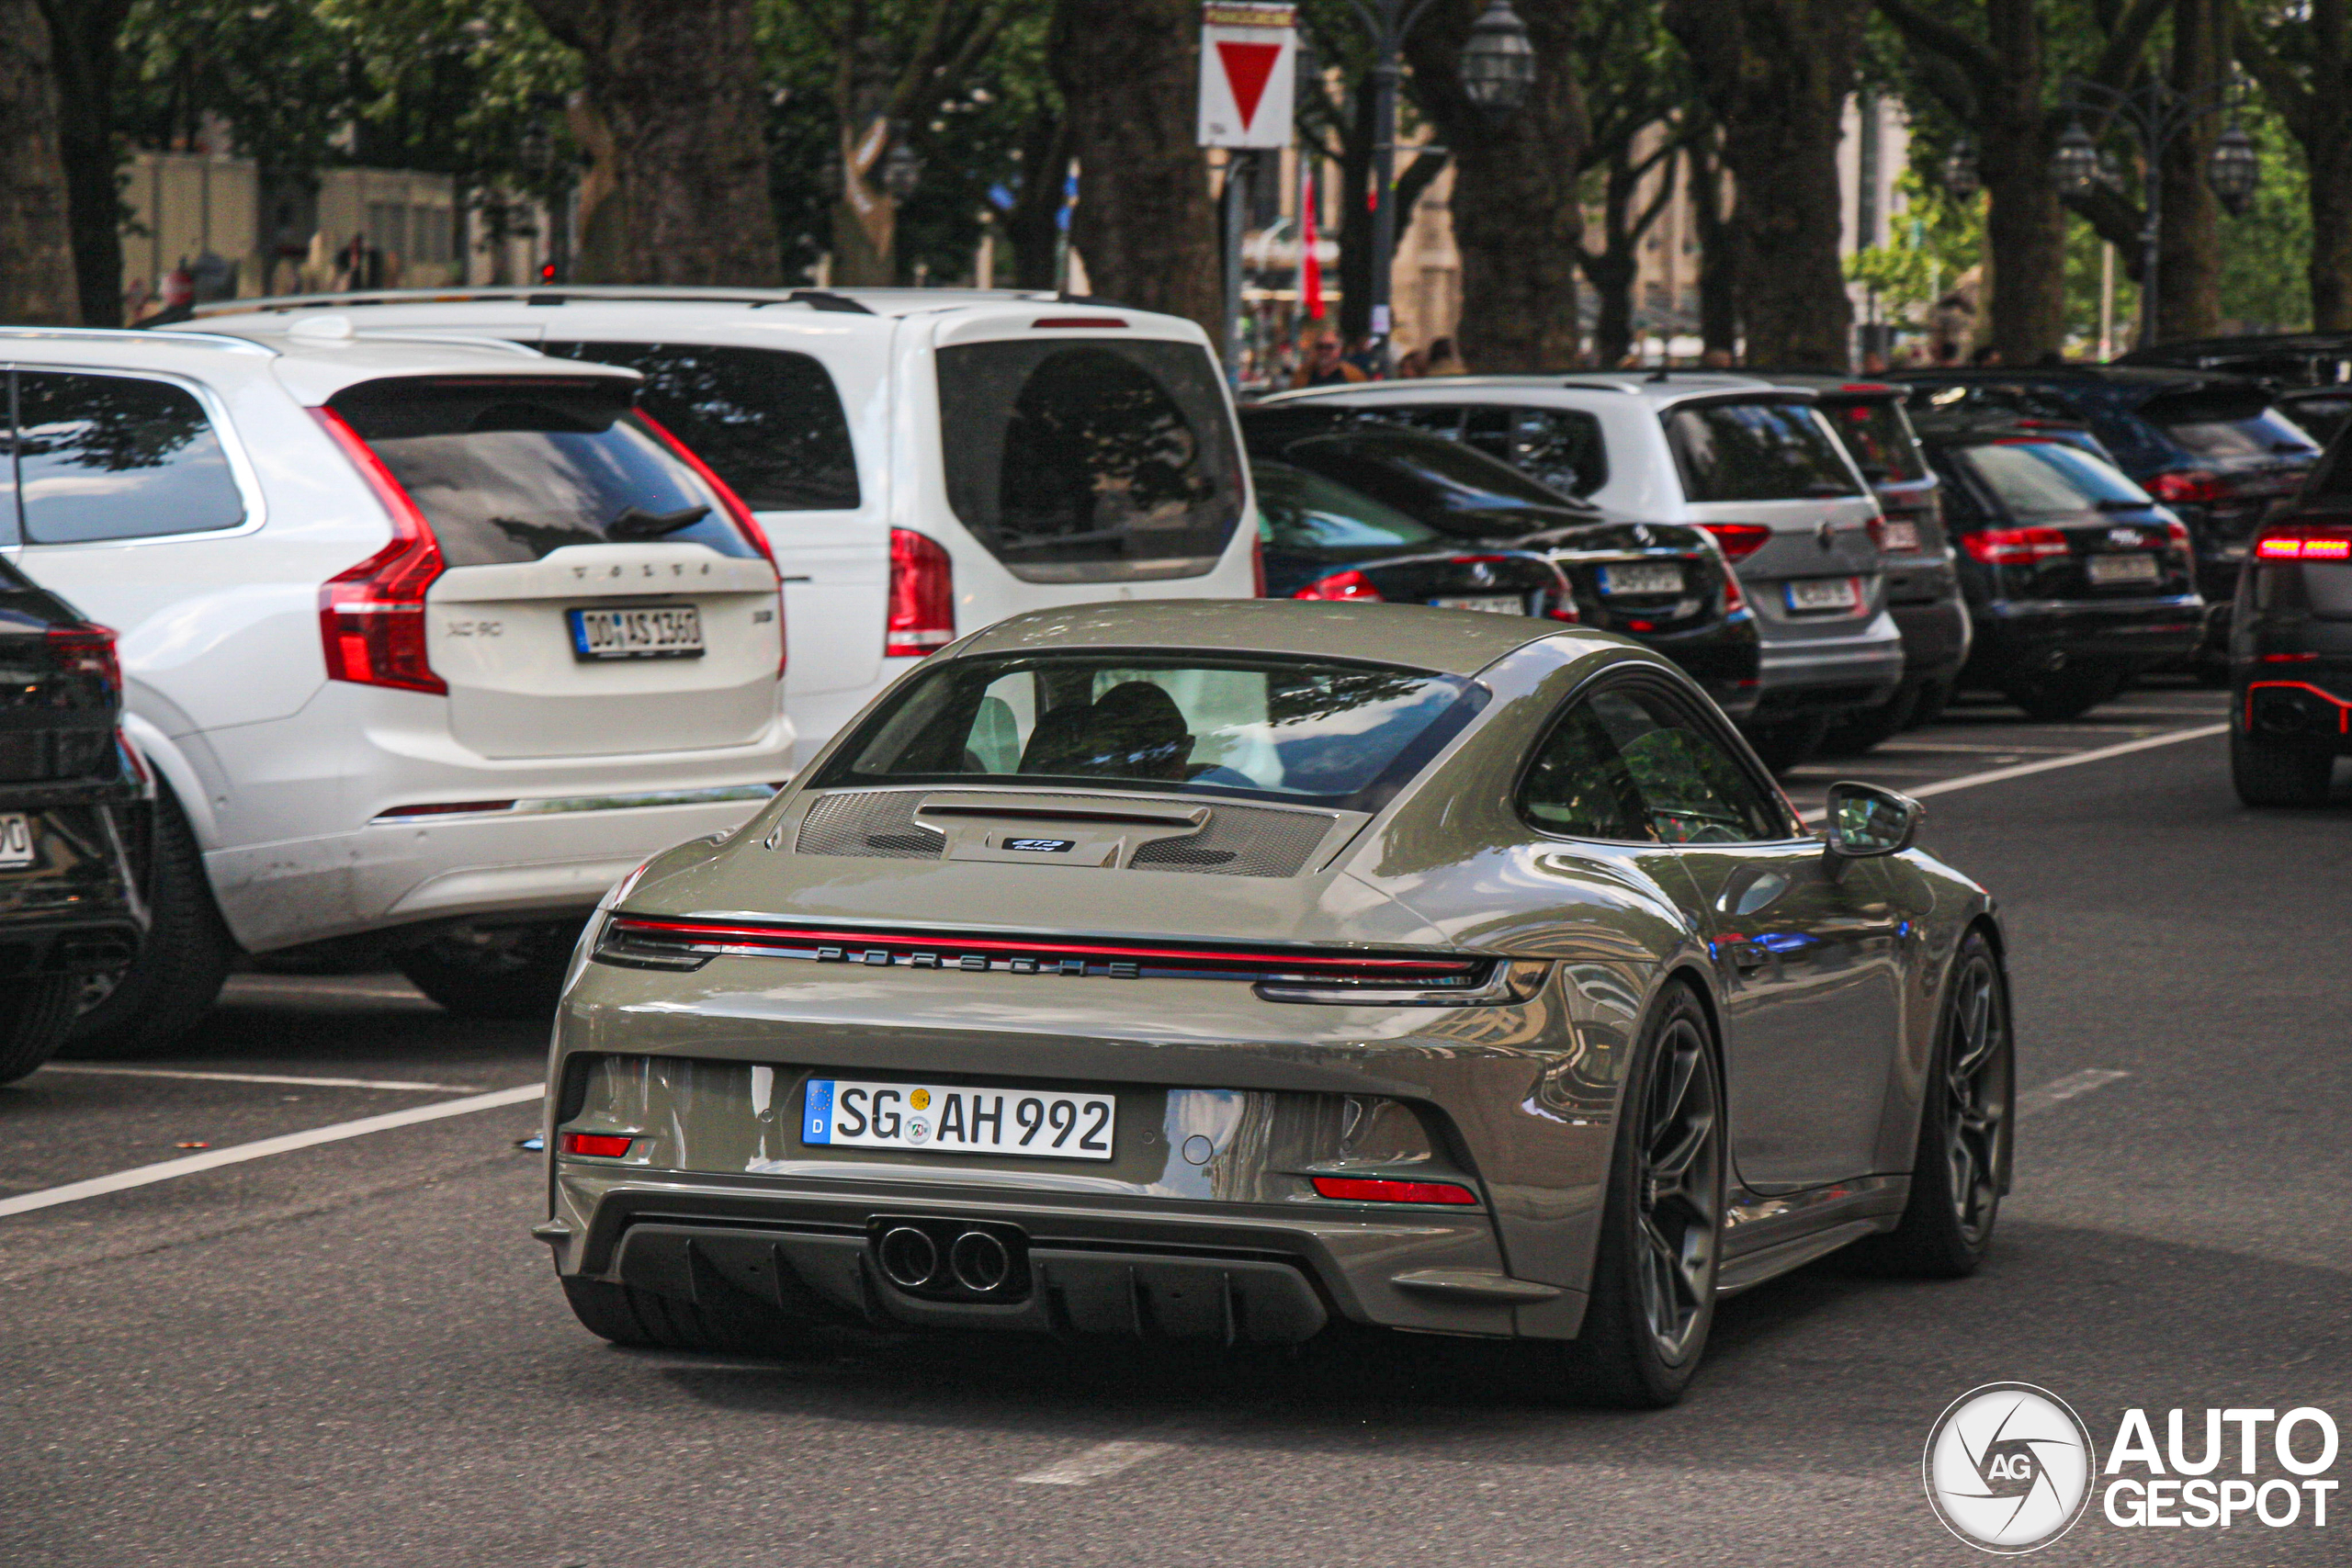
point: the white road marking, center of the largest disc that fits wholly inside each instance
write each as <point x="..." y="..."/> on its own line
<point x="1885" y="746"/>
<point x="1094" y="1463"/>
<point x="2059" y="1090"/>
<point x="252" y="1077"/>
<point x="2048" y="764"/>
<point x="236" y="1153"/>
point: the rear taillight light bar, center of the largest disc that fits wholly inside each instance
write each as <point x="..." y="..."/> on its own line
<point x="2304" y="542"/>
<point x="371" y="618"/>
<point x="1302" y="974"/>
<point x="923" y="596"/>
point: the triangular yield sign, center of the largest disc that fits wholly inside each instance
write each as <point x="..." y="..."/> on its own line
<point x="1247" y="66"/>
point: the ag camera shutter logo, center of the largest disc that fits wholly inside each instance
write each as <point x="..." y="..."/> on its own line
<point x="2009" y="1467"/>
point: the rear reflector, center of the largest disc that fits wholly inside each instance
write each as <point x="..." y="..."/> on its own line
<point x="1739" y="540"/>
<point x="923" y="596"/>
<point x="445" y="808"/>
<point x="1364" y="1189"/>
<point x="603" y="1146"/>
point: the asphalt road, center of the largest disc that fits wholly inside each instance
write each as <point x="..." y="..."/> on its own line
<point x="351" y="1354"/>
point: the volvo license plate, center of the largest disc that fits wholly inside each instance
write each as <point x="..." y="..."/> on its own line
<point x="15" y="841"/>
<point x="1664" y="576"/>
<point x="645" y="631"/>
<point x="954" y="1119"/>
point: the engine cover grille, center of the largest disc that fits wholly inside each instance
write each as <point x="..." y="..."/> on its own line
<point x="879" y="824"/>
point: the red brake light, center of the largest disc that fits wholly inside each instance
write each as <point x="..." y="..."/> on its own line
<point x="604" y="1146"/>
<point x="1076" y="324"/>
<point x="1362" y="1190"/>
<point x="1732" y="598"/>
<point x="1878" y="532"/>
<point x="371" y="618"/>
<point x="736" y="513"/>
<point x="87" y="650"/>
<point x="1339" y="585"/>
<point x="2193" y="485"/>
<point x="2304" y="541"/>
<point x="1739" y="540"/>
<point x="2015" y="547"/>
<point x="923" y="596"/>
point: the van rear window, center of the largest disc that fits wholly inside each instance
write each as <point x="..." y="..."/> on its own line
<point x="512" y="468"/>
<point x="1082" y="461"/>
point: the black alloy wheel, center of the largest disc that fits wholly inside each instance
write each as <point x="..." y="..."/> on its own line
<point x="1965" y="1129"/>
<point x="2266" y="772"/>
<point x="145" y="1010"/>
<point x="1653" y="1281"/>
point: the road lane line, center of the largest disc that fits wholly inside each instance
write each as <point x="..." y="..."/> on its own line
<point x="1094" y="1463"/>
<point x="252" y="1077"/>
<point x="2057" y="1091"/>
<point x="236" y="1153"/>
<point x="2048" y="764"/>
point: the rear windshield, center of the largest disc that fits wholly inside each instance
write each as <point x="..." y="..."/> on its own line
<point x="768" y="421"/>
<point x="1086" y="461"/>
<point x="2319" y="417"/>
<point x="2225" y="427"/>
<point x="1299" y="511"/>
<point x="1440" y="482"/>
<point x="1334" y="734"/>
<point x="514" y="469"/>
<point x="1755" y="452"/>
<point x="1878" y="438"/>
<point x="2048" y="479"/>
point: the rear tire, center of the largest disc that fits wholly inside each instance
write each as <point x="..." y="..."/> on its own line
<point x="1661" y="1231"/>
<point x="1787" y="743"/>
<point x="494" y="971"/>
<point x="2267" y="774"/>
<point x="1966" y="1128"/>
<point x="35" y="1016"/>
<point x="181" y="966"/>
<point x="641" y="1320"/>
<point x="2062" y="695"/>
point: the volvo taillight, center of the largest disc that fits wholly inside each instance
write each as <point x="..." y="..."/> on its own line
<point x="1339" y="585"/>
<point x="923" y="596"/>
<point x="2014" y="546"/>
<point x="371" y="618"/>
<point x="736" y="513"/>
<point x="1739" y="540"/>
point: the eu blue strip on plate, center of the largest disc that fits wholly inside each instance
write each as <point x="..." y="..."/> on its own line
<point x="816" y="1122"/>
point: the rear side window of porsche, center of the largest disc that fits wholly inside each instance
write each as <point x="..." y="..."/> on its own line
<point x="1084" y="460"/>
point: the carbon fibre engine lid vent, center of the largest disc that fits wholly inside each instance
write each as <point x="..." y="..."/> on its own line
<point x="879" y="824"/>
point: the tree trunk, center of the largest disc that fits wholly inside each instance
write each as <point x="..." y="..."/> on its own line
<point x="82" y="51"/>
<point x="2025" y="228"/>
<point x="2189" y="246"/>
<point x="1517" y="222"/>
<point x="2328" y="155"/>
<point x="1719" y="247"/>
<point x="1144" y="223"/>
<point x="1034" y="227"/>
<point x="37" y="286"/>
<point x="678" y="86"/>
<point x="1355" y="218"/>
<point x="1776" y="74"/>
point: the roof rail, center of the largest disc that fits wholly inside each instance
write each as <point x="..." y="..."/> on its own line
<point x="529" y="293"/>
<point x="144" y="334"/>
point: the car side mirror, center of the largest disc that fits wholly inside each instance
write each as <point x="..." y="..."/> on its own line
<point x="1865" y="821"/>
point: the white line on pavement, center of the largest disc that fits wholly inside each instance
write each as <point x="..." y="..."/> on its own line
<point x="2059" y="1090"/>
<point x="2023" y="770"/>
<point x="1094" y="1463"/>
<point x="250" y="1078"/>
<point x="236" y="1153"/>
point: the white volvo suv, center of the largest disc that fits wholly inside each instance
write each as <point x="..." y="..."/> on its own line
<point x="925" y="461"/>
<point x="426" y="643"/>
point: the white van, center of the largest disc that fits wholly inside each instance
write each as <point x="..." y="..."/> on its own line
<point x="427" y="644"/>
<point x="925" y="461"/>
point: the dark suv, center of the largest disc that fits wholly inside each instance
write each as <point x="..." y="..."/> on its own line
<point x="2291" y="647"/>
<point x="2215" y="448"/>
<point x="2076" y="579"/>
<point x="71" y="819"/>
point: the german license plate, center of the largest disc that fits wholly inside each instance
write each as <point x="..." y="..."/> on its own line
<point x="2106" y="570"/>
<point x="1825" y="594"/>
<point x="1647" y="578"/>
<point x="646" y="631"/>
<point x="15" y="841"/>
<point x="1514" y="606"/>
<point x="1899" y="538"/>
<point x="950" y="1119"/>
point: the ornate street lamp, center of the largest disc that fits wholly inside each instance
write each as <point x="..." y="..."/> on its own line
<point x="1498" y="61"/>
<point x="1961" y="176"/>
<point x="2234" y="169"/>
<point x="2075" y="166"/>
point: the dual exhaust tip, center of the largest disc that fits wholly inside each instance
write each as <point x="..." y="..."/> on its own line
<point x="976" y="1261"/>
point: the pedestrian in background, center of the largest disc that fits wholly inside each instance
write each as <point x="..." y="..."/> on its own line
<point x="1411" y="365"/>
<point x="1444" y="359"/>
<point x="1325" y="366"/>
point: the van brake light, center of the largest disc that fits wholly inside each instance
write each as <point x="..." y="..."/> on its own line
<point x="923" y="596"/>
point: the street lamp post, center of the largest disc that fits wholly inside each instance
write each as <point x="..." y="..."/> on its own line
<point x="1497" y="69"/>
<point x="2156" y="112"/>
